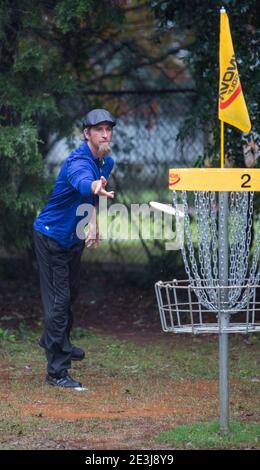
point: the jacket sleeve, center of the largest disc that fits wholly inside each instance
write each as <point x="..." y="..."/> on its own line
<point x="81" y="178"/>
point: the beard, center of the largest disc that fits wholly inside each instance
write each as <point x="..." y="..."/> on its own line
<point x="103" y="149"/>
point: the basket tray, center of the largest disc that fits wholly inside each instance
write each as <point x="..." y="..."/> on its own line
<point x="182" y="312"/>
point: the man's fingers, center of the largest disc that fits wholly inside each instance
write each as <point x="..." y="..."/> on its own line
<point x="90" y="242"/>
<point x="98" y="187"/>
<point x="104" y="181"/>
<point x="110" y="194"/>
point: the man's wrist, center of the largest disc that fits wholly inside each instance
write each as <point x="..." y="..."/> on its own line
<point x="93" y="186"/>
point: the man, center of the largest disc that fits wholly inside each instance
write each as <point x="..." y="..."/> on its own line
<point x="58" y="248"/>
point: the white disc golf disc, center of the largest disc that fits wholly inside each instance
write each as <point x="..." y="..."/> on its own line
<point x="167" y="208"/>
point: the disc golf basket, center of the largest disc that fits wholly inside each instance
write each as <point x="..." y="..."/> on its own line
<point x="221" y="259"/>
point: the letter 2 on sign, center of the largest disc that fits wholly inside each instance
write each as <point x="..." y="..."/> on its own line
<point x="247" y="178"/>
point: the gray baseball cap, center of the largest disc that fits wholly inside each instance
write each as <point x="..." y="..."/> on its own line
<point x="96" y="116"/>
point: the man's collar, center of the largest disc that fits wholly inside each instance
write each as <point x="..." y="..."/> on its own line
<point x="100" y="161"/>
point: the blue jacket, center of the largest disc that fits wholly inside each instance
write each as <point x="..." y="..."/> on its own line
<point x="58" y="219"/>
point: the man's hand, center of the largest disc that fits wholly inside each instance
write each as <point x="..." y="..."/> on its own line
<point x="98" y="188"/>
<point x="92" y="238"/>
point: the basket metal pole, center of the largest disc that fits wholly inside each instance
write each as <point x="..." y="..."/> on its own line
<point x="223" y="316"/>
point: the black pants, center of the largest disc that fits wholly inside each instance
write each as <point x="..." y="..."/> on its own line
<point x="59" y="280"/>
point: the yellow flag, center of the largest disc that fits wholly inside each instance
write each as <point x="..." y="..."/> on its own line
<point x="231" y="105"/>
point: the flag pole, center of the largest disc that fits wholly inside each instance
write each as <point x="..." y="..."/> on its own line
<point x="233" y="111"/>
<point x="222" y="145"/>
<point x="223" y="282"/>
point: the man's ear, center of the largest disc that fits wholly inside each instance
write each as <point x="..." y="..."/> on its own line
<point x="86" y="133"/>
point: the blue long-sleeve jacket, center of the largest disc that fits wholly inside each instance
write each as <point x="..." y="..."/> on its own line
<point x="58" y="219"/>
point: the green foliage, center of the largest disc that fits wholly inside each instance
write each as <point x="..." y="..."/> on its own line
<point x="70" y="11"/>
<point x="7" y="335"/>
<point x="202" y="18"/>
<point x="21" y="189"/>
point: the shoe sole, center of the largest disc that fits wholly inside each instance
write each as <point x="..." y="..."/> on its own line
<point x="62" y="386"/>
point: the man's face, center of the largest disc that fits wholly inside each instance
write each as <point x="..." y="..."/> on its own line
<point x="99" y="137"/>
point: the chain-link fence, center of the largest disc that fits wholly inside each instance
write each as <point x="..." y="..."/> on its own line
<point x="145" y="146"/>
